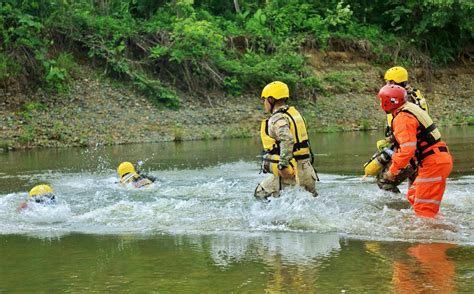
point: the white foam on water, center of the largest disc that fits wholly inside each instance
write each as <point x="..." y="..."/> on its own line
<point x="220" y="199"/>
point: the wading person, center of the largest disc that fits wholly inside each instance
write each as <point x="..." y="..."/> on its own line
<point x="396" y="75"/>
<point x="129" y="175"/>
<point x="416" y="139"/>
<point x="287" y="152"/>
<point x="41" y="194"/>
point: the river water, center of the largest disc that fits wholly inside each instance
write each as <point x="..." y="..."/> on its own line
<point x="199" y="229"/>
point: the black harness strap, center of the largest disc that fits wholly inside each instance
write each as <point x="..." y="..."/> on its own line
<point x="423" y="135"/>
<point x="431" y="128"/>
<point x="301" y="157"/>
<point x="431" y="152"/>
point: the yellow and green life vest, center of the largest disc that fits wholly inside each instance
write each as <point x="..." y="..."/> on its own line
<point x="301" y="147"/>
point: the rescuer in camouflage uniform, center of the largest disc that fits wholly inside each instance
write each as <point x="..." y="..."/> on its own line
<point x="287" y="153"/>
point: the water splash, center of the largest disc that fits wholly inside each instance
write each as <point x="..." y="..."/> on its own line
<point x="219" y="199"/>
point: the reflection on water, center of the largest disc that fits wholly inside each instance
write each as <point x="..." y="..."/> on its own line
<point x="427" y="269"/>
<point x="293" y="248"/>
<point x="232" y="262"/>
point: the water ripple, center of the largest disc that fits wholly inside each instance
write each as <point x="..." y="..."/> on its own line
<point x="219" y="199"/>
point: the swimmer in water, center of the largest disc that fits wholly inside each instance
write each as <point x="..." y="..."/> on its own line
<point x="129" y="174"/>
<point x="41" y="194"/>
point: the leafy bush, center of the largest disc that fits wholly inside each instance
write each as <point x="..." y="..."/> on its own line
<point x="27" y="135"/>
<point x="29" y="108"/>
<point x="9" y="68"/>
<point x="195" y="46"/>
<point x="470" y="120"/>
<point x="344" y="81"/>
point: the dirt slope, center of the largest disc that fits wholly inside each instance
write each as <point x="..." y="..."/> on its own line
<point x="98" y="110"/>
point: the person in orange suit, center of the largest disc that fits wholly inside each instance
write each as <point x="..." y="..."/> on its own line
<point x="418" y="140"/>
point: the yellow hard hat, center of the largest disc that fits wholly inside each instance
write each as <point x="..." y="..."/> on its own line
<point x="277" y="90"/>
<point x="126" y="168"/>
<point x="397" y="74"/>
<point x="40" y="190"/>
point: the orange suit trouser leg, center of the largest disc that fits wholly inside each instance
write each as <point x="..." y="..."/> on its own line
<point x="427" y="191"/>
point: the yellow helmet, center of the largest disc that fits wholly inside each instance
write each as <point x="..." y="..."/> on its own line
<point x="126" y="168"/>
<point x="397" y="74"/>
<point x="277" y="90"/>
<point x="40" y="190"/>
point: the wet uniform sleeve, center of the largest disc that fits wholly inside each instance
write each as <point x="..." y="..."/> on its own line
<point x="404" y="129"/>
<point x="150" y="177"/>
<point x="285" y="137"/>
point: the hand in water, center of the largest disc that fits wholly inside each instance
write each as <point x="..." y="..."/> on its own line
<point x="389" y="176"/>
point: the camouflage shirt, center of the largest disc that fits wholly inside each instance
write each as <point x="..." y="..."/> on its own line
<point x="279" y="129"/>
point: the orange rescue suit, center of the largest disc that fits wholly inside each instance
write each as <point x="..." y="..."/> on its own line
<point x="434" y="161"/>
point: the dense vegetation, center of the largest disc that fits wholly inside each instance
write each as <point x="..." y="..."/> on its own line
<point x="212" y="45"/>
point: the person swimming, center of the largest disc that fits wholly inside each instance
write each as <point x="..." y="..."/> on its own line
<point x="129" y="174"/>
<point x="40" y="194"/>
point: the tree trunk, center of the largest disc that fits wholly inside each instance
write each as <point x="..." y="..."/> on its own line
<point x="236" y="6"/>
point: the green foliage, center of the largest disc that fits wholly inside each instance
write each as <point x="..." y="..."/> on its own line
<point x="66" y="62"/>
<point x="29" y="108"/>
<point x="178" y="133"/>
<point x="238" y="132"/>
<point x="438" y="27"/>
<point x="27" y="135"/>
<point x="331" y="129"/>
<point x="196" y="46"/>
<point x="195" y="40"/>
<point x="9" y="68"/>
<point x="207" y="135"/>
<point x="5" y="145"/>
<point x="158" y="51"/>
<point x="157" y="92"/>
<point x="233" y="86"/>
<point x="344" y="81"/>
<point x="364" y="125"/>
<point x="57" y="131"/>
<point x="107" y="37"/>
<point x="83" y="140"/>
<point x="338" y="80"/>
<point x="470" y="120"/>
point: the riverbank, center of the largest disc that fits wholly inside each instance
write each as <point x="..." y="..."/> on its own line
<point x="99" y="110"/>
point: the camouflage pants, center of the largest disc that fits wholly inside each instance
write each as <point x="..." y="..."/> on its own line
<point x="408" y="173"/>
<point x="272" y="185"/>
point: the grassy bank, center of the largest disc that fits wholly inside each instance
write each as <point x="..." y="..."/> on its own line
<point x="96" y="109"/>
<point x="80" y="73"/>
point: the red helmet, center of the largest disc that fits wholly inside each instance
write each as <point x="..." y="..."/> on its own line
<point x="391" y="97"/>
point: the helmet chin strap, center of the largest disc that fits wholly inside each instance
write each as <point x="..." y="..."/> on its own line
<point x="271" y="104"/>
